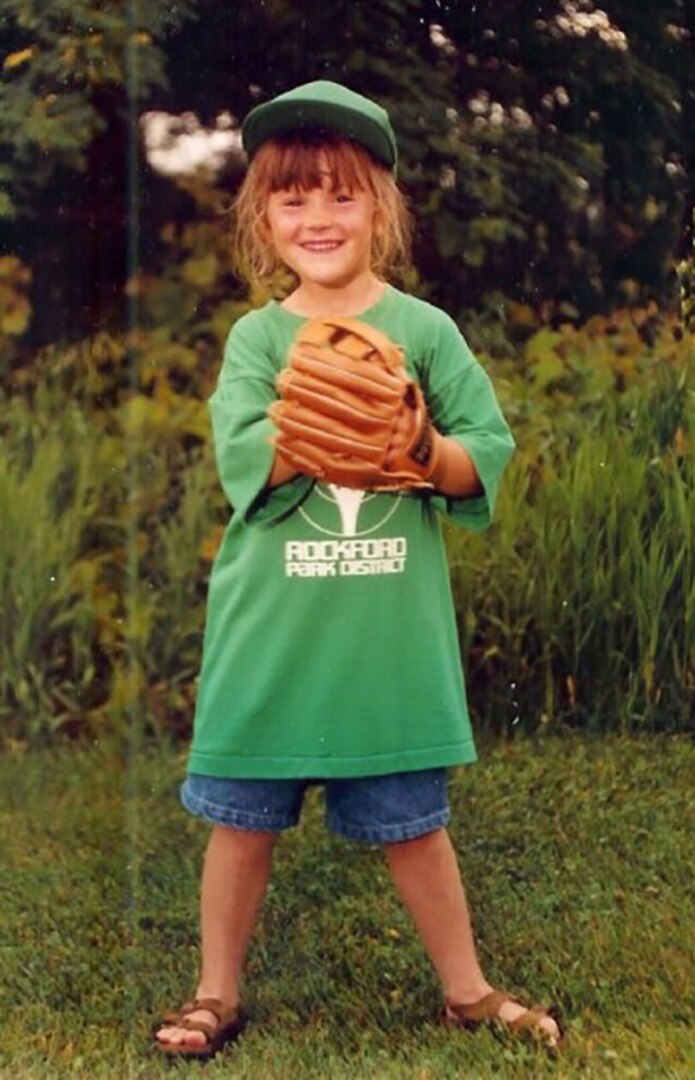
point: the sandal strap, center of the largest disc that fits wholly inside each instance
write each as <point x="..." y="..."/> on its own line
<point x="530" y="1018"/>
<point x="222" y="1012"/>
<point x="486" y="1008"/>
<point x="209" y="1030"/>
<point x="214" y="1005"/>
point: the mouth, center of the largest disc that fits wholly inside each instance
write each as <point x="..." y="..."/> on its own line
<point x="321" y="247"/>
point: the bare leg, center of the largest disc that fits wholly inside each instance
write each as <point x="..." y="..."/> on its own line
<point x="235" y="878"/>
<point x="427" y="877"/>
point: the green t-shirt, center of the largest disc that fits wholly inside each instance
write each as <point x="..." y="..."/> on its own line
<point x="330" y="644"/>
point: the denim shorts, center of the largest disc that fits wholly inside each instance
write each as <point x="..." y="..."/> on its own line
<point x="376" y="809"/>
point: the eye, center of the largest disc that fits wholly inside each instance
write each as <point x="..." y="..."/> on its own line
<point x="344" y="197"/>
<point x="289" y="198"/>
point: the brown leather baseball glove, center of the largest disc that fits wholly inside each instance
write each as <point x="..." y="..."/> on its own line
<point x="349" y="413"/>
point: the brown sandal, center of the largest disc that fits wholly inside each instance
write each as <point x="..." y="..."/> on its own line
<point x="230" y="1024"/>
<point x="487" y="1009"/>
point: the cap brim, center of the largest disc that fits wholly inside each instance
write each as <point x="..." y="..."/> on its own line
<point x="283" y="117"/>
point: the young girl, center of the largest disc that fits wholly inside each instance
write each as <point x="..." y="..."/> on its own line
<point x="330" y="649"/>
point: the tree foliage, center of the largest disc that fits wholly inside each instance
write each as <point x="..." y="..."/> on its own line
<point x="544" y="146"/>
<point x="69" y="69"/>
<point x="74" y="75"/>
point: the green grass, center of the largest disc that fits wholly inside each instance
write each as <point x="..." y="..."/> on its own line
<point x="576" y="851"/>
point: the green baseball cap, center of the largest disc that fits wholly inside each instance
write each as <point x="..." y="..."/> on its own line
<point x="322" y="105"/>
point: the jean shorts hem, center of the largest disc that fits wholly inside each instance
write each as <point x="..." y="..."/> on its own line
<point x="390" y="834"/>
<point x="235" y="819"/>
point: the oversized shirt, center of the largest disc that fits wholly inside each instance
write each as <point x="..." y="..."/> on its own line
<point x="330" y="644"/>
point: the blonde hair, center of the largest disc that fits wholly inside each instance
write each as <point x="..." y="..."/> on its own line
<point x="299" y="161"/>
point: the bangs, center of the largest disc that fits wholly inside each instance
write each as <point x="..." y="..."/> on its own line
<point x="300" y="162"/>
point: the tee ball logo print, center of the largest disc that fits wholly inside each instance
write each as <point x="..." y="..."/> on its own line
<point x="345" y="520"/>
<point x="335" y="510"/>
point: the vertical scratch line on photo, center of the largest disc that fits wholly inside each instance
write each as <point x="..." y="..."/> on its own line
<point x="133" y="696"/>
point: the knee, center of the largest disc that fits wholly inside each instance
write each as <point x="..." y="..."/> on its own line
<point x="403" y="849"/>
<point x="244" y="844"/>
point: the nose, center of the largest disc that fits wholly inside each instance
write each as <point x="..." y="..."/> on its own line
<point x="318" y="215"/>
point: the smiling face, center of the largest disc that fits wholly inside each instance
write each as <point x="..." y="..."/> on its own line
<point x="320" y="204"/>
<point x="324" y="234"/>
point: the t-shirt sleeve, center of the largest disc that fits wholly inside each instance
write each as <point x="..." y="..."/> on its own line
<point x="242" y="431"/>
<point x="463" y="406"/>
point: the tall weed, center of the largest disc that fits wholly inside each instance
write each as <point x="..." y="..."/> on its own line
<point x="579" y="605"/>
<point x="108" y="530"/>
<point x="51" y="478"/>
<point x="164" y="601"/>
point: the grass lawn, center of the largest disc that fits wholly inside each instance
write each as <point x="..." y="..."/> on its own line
<point x="578" y="859"/>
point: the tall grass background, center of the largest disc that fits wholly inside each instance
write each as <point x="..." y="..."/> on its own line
<point x="577" y="607"/>
<point x="582" y="606"/>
